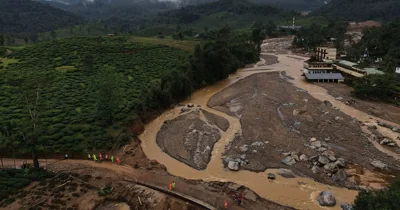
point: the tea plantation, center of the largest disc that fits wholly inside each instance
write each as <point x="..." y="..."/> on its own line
<point x="66" y="73"/>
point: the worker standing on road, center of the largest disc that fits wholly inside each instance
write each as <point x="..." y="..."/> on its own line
<point x="112" y="158"/>
<point x="173" y="185"/>
<point x="118" y="161"/>
<point x="170" y="186"/>
<point x="226" y="204"/>
<point x="89" y="157"/>
<point x="100" y="156"/>
<point x="94" y="157"/>
<point x="106" y="157"/>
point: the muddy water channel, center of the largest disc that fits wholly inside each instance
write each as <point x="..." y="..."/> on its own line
<point x="296" y="192"/>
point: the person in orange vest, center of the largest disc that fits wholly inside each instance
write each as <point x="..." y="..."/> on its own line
<point x="118" y="161"/>
<point x="170" y="186"/>
<point x="226" y="204"/>
<point x="100" y="156"/>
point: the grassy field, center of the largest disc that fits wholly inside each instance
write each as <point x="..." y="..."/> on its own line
<point x="67" y="84"/>
<point x="4" y="62"/>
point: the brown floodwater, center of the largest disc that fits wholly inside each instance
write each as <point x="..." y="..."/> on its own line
<point x="299" y="192"/>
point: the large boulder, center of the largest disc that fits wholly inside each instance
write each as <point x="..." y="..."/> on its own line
<point x="316" y="170"/>
<point x="340" y="176"/>
<point x="316" y="144"/>
<point x="330" y="166"/>
<point x="379" y="164"/>
<point x="326" y="198"/>
<point x="244" y="148"/>
<point x="234" y="166"/>
<point x="323" y="160"/>
<point x="340" y="162"/>
<point x="289" y="160"/>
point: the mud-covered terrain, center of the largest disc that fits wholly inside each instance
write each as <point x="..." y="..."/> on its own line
<point x="283" y="126"/>
<point x="379" y="109"/>
<point x="190" y="138"/>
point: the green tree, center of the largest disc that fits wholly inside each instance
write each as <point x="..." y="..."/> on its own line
<point x="10" y="139"/>
<point x="32" y="129"/>
<point x="108" y="94"/>
<point x="26" y="40"/>
<point x="34" y="38"/>
<point x="387" y="199"/>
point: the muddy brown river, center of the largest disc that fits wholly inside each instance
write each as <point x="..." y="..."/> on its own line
<point x="299" y="192"/>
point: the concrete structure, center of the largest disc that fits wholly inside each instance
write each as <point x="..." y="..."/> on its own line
<point x="319" y="70"/>
<point x="293" y="26"/>
<point x="326" y="53"/>
<point x="353" y="69"/>
<point x="398" y="70"/>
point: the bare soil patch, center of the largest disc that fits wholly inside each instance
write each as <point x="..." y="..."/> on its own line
<point x="269" y="59"/>
<point x="189" y="139"/>
<point x="379" y="109"/>
<point x="276" y="118"/>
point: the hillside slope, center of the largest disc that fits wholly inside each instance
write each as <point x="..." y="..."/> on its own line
<point x="24" y="17"/>
<point x="359" y="10"/>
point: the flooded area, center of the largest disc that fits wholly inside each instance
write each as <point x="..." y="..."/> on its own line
<point x="299" y="192"/>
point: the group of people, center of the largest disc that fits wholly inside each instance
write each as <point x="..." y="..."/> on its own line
<point x="171" y="186"/>
<point x="106" y="158"/>
<point x="237" y="197"/>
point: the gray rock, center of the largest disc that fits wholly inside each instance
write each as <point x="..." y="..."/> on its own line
<point x="288" y="161"/>
<point x="315" y="157"/>
<point x="296" y="158"/>
<point x="190" y="105"/>
<point x="338" y="118"/>
<point x="234" y="186"/>
<point x="243" y="157"/>
<point x="332" y="158"/>
<point x="234" y="166"/>
<point x="316" y="170"/>
<point x="257" y="143"/>
<point x="340" y="162"/>
<point x="326" y="198"/>
<point x="316" y="144"/>
<point x="250" y="195"/>
<point x="327" y="138"/>
<point x="385" y="141"/>
<point x="346" y="206"/>
<point x="303" y="157"/>
<point x="322" y="149"/>
<point x="286" y="173"/>
<point x="379" y="164"/>
<point x="392" y="144"/>
<point x="340" y="176"/>
<point x="339" y="98"/>
<point x="184" y="109"/>
<point x="323" y="160"/>
<point x="328" y="153"/>
<point x="330" y="166"/>
<point x="286" y="153"/>
<point x="244" y="148"/>
<point x="313" y="139"/>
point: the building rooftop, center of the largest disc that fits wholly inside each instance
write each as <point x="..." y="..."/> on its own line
<point x="373" y="71"/>
<point x="325" y="76"/>
<point x="348" y="63"/>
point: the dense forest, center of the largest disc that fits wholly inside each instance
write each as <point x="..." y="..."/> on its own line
<point x="315" y="35"/>
<point x="382" y="42"/>
<point x="361" y="10"/>
<point x="78" y="92"/>
<point x="26" y="17"/>
<point x="383" y="199"/>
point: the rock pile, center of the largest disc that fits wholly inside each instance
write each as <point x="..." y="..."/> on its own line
<point x="327" y="161"/>
<point x="388" y="142"/>
<point x="293" y="157"/>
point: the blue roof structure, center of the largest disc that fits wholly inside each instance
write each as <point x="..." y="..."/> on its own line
<point x="337" y="76"/>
